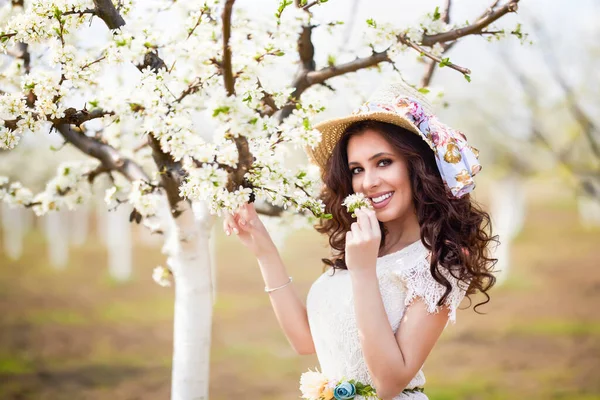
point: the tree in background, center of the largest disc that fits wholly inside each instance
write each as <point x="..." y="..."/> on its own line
<point x="198" y="128"/>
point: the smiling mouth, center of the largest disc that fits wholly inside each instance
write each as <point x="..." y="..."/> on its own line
<point x="381" y="199"/>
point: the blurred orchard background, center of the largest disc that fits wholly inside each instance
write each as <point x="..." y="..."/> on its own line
<point x="82" y="318"/>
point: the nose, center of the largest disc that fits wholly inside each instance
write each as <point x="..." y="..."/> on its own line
<point x="371" y="180"/>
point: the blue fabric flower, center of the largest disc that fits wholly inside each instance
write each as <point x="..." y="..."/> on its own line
<point x="344" y="391"/>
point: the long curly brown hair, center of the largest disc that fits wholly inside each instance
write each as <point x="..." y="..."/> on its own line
<point x="457" y="232"/>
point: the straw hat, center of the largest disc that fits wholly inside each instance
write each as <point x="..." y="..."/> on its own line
<point x="400" y="104"/>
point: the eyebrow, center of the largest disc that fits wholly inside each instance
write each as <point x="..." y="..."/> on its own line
<point x="372" y="158"/>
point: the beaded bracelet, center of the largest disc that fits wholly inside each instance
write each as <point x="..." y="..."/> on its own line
<point x="282" y="286"/>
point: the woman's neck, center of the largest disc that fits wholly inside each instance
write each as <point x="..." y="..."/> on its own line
<point x="401" y="234"/>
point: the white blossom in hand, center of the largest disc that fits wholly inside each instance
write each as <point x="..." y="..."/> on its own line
<point x="355" y="201"/>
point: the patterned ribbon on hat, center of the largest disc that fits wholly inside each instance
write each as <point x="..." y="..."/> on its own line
<point x="456" y="160"/>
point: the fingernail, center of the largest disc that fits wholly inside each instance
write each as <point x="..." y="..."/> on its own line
<point x="242" y="222"/>
<point x="236" y="231"/>
<point x="227" y="232"/>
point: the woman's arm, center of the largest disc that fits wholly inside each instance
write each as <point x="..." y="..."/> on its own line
<point x="289" y="309"/>
<point x="393" y="360"/>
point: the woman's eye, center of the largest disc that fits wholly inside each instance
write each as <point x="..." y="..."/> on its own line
<point x="353" y="170"/>
<point x="385" y="161"/>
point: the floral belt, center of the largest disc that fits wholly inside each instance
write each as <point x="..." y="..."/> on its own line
<point x="315" y="386"/>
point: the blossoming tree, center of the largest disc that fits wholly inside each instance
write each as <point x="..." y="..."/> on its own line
<point x="197" y="128"/>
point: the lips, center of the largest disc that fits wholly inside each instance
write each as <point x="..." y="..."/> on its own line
<point x="383" y="203"/>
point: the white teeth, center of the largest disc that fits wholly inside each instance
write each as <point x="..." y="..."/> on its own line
<point x="381" y="198"/>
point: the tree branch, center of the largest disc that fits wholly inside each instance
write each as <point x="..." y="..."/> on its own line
<point x="322" y="75"/>
<point x="488" y="18"/>
<point x="171" y="173"/>
<point x="446" y="14"/>
<point x="403" y="39"/>
<point x="72" y="116"/>
<point x="91" y="11"/>
<point x="227" y="67"/>
<point x="110" y="158"/>
<point x="309" y="5"/>
<point x="106" y="11"/>
<point x="306" y="48"/>
<point x="269" y="210"/>
<point x="559" y="156"/>
<point x="587" y="124"/>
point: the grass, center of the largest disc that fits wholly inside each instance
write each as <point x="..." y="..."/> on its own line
<point x="77" y="333"/>
<point x="556" y="327"/>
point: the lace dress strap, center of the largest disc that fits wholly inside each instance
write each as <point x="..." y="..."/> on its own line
<point x="419" y="282"/>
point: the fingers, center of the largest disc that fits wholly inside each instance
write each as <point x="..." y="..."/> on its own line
<point x="375" y="228"/>
<point x="356" y="231"/>
<point x="230" y="225"/>
<point x="246" y="216"/>
<point x="363" y="219"/>
<point x="241" y="221"/>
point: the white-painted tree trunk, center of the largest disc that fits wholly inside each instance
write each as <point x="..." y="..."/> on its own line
<point x="507" y="210"/>
<point x="101" y="216"/>
<point x="589" y="211"/>
<point x="188" y="247"/>
<point x="79" y="225"/>
<point x="57" y="238"/>
<point x="213" y="263"/>
<point x="118" y="243"/>
<point x="13" y="230"/>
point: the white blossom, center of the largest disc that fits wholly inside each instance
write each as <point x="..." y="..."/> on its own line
<point x="161" y="276"/>
<point x="143" y="198"/>
<point x="355" y="201"/>
<point x="227" y="153"/>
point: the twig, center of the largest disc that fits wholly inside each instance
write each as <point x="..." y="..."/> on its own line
<point x="309" y="5"/>
<point x="81" y="13"/>
<point x="446" y="14"/>
<point x="488" y="18"/>
<point x="587" y="124"/>
<point x="403" y="39"/>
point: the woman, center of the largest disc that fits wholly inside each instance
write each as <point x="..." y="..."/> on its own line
<point x="400" y="270"/>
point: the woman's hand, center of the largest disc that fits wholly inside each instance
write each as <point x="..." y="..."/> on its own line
<point x="362" y="241"/>
<point x="249" y="228"/>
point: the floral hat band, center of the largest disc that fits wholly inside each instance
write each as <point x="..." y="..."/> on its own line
<point x="402" y="105"/>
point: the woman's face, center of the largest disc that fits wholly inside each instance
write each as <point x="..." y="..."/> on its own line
<point x="381" y="174"/>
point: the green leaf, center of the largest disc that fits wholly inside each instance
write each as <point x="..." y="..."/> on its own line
<point x="282" y="6"/>
<point x="517" y="31"/>
<point x="327" y="216"/>
<point x="467" y="77"/>
<point x="371" y="22"/>
<point x="424" y="90"/>
<point x="445" y="62"/>
<point x="306" y="124"/>
<point x="331" y="60"/>
<point x="220" y="110"/>
<point x="436" y="14"/>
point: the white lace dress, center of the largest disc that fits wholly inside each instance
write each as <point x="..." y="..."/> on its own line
<point x="403" y="276"/>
